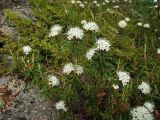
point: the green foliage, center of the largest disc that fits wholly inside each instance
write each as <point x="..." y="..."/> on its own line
<point x="2" y="103"/>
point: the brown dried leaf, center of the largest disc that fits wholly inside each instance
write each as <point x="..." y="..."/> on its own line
<point x="3" y="88"/>
<point x="102" y="94"/>
<point x="158" y="114"/>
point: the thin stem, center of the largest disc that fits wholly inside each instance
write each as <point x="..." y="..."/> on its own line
<point x="101" y="63"/>
<point x="158" y="18"/>
<point x="73" y="50"/>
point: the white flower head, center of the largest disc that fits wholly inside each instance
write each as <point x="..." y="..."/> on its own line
<point x="68" y="68"/>
<point x="91" y="26"/>
<point x="73" y="1"/>
<point x="81" y="5"/>
<point x="115" y="86"/>
<point x="78" y="69"/>
<point x="103" y="44"/>
<point x="55" y="30"/>
<point x="98" y="5"/>
<point x="139" y="24"/>
<point x="107" y="1"/>
<point x="83" y="22"/>
<point x="156" y="6"/>
<point x="116" y="6"/>
<point x="141" y="113"/>
<point x="146" y="25"/>
<point x="127" y="19"/>
<point x="124" y="77"/>
<point x="66" y="11"/>
<point x="53" y="80"/>
<point x="144" y="87"/>
<point x="122" y="24"/>
<point x="61" y="106"/>
<point x="155" y="0"/>
<point x="27" y="49"/>
<point x="79" y="2"/>
<point x="90" y="53"/>
<point x="158" y="51"/>
<point x="75" y="33"/>
<point x="150" y="106"/>
<point x="109" y="10"/>
<point x="95" y="2"/>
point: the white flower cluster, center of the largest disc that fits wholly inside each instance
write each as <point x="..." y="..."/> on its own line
<point x="73" y="1"/>
<point x="61" y="106"/>
<point x="95" y="2"/>
<point x="155" y="0"/>
<point x="115" y="86"/>
<point x="53" y="80"/>
<point x="91" y="53"/>
<point x="144" y="87"/>
<point x="116" y="6"/>
<point x="78" y="69"/>
<point x="107" y="1"/>
<point x="83" y="22"/>
<point x="146" y="25"/>
<point x="123" y="23"/>
<point x="158" y="51"/>
<point x="80" y="3"/>
<point x="139" y="24"/>
<point x="124" y="77"/>
<point x="113" y="1"/>
<point x="128" y="1"/>
<point x="27" y="49"/>
<point x="55" y="30"/>
<point x="90" y="26"/>
<point x="75" y="33"/>
<point x="109" y="10"/>
<point x="150" y="106"/>
<point x="127" y="19"/>
<point x="101" y="44"/>
<point x="143" y="112"/>
<point x="68" y="68"/>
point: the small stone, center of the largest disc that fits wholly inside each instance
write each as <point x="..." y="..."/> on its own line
<point x="7" y="31"/>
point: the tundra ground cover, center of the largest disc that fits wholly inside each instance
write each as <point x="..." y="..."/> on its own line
<point x="93" y="59"/>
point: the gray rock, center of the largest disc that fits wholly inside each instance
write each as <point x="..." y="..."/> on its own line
<point x="24" y="12"/>
<point x="6" y="27"/>
<point x="10" y="3"/>
<point x="5" y="79"/>
<point x="28" y="104"/>
<point x="7" y="31"/>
